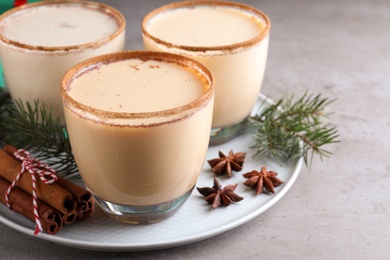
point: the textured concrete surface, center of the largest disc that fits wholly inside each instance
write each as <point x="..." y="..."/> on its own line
<point x="340" y="208"/>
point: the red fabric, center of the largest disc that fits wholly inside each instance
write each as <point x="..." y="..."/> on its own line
<point x="19" y="2"/>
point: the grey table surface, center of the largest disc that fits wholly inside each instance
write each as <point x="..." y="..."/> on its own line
<point x="340" y="207"/>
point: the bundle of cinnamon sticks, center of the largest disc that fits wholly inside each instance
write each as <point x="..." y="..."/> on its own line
<point x="59" y="203"/>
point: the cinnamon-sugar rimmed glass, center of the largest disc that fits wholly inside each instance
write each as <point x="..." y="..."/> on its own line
<point x="238" y="65"/>
<point x="140" y="166"/>
<point x="33" y="69"/>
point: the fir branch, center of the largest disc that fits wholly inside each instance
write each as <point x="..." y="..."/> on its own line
<point x="285" y="130"/>
<point x="33" y="128"/>
<point x="292" y="129"/>
<point x="5" y="102"/>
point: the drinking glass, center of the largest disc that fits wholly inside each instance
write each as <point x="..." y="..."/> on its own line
<point x="39" y="42"/>
<point x="139" y="125"/>
<point x="231" y="39"/>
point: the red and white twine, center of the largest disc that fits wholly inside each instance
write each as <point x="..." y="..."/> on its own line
<point x="34" y="167"/>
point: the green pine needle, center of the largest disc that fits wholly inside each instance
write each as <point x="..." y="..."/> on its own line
<point x="31" y="127"/>
<point x="292" y="129"/>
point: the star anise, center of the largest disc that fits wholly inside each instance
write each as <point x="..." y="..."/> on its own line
<point x="225" y="164"/>
<point x="262" y="180"/>
<point x="216" y="196"/>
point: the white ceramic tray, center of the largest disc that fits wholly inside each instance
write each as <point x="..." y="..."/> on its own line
<point x="195" y="221"/>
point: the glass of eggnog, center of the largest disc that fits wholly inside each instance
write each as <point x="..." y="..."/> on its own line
<point x="39" y="42"/>
<point x="139" y="125"/>
<point x="231" y="39"/>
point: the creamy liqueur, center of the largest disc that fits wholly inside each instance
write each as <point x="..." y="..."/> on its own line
<point x="205" y="26"/>
<point x="142" y="160"/>
<point x="136" y="86"/>
<point x="58" y="25"/>
<point x="230" y="40"/>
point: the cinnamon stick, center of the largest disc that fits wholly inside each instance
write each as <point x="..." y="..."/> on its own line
<point x="69" y="217"/>
<point x="22" y="203"/>
<point x="83" y="198"/>
<point x="52" y="194"/>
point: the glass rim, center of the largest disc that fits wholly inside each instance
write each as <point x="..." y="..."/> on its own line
<point x="188" y="63"/>
<point x="223" y="48"/>
<point x="106" y="9"/>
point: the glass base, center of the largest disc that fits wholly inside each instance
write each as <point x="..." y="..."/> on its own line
<point x="220" y="135"/>
<point x="142" y="214"/>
